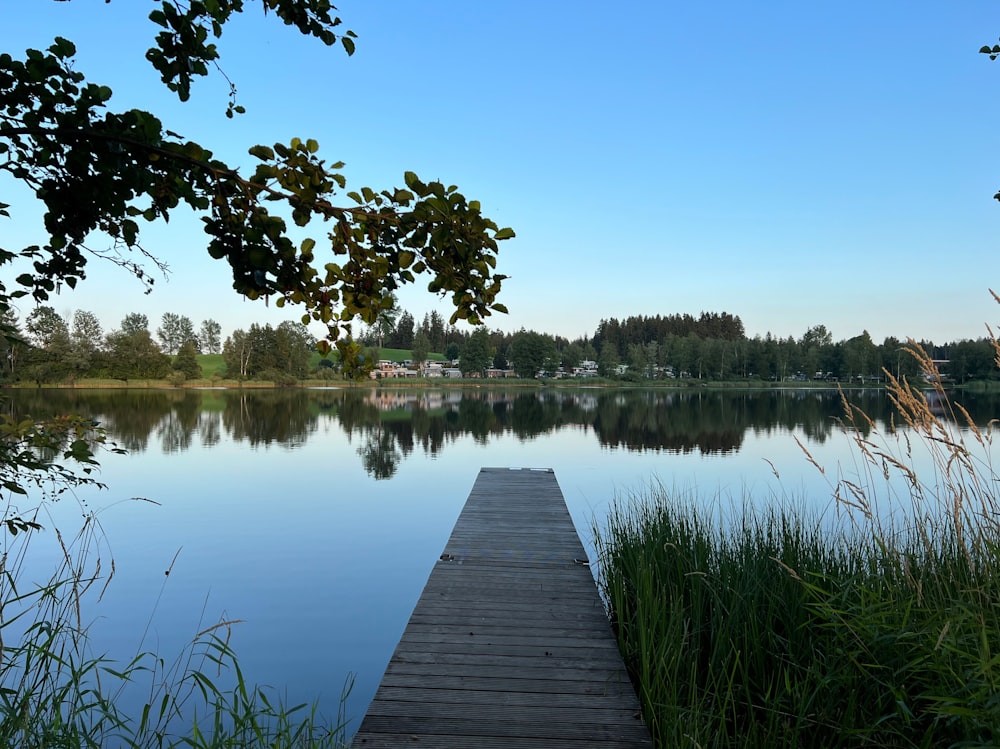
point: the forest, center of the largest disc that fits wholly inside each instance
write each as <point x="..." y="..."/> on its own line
<point x="46" y="348"/>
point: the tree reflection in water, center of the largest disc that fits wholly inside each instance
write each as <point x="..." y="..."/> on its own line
<point x="379" y="454"/>
<point x="393" y="423"/>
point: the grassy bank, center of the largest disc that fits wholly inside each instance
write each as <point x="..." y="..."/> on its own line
<point x="750" y="628"/>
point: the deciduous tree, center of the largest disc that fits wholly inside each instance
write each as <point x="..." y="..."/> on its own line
<point x="607" y="361"/>
<point x="135" y="356"/>
<point x="531" y="353"/>
<point x="12" y="346"/>
<point x="477" y="354"/>
<point x="174" y="331"/>
<point x="186" y="361"/>
<point x="98" y="170"/>
<point x="421" y="347"/>
<point x="47" y="329"/>
<point x="209" y="337"/>
<point x="571" y="356"/>
<point x="293" y="347"/>
<point x="238" y="352"/>
<point x="86" y="339"/>
<point x="385" y="324"/>
<point x="134" y="322"/>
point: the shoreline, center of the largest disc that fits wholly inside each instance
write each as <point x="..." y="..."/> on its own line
<point x="439" y="383"/>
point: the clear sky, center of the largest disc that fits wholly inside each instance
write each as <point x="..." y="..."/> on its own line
<point x="793" y="163"/>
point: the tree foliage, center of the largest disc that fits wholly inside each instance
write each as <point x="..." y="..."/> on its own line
<point x="402" y="336"/>
<point x="385" y="324"/>
<point x="477" y="354"/>
<point x="530" y="353"/>
<point x="46" y="328"/>
<point x="269" y="353"/>
<point x="421" y="347"/>
<point x="174" y="331"/>
<point x="134" y="322"/>
<point x="86" y="340"/>
<point x="12" y="345"/>
<point x="210" y="337"/>
<point x="99" y="173"/>
<point x="135" y="356"/>
<point x="186" y="362"/>
<point x="433" y="327"/>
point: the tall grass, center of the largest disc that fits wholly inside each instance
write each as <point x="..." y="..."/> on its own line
<point x="750" y="628"/>
<point x="56" y="692"/>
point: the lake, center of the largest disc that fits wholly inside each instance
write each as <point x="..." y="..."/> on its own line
<point x="315" y="516"/>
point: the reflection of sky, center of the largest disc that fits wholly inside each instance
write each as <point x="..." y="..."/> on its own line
<point x="324" y="563"/>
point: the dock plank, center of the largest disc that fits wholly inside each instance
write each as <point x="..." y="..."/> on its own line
<point x="509" y="645"/>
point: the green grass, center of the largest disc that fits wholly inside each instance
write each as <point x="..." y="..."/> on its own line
<point x="766" y="628"/>
<point x="212" y="365"/>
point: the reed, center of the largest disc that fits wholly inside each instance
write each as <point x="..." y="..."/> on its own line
<point x="769" y="628"/>
<point x="55" y="692"/>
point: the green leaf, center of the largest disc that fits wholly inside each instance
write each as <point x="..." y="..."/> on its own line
<point x="63" y="47"/>
<point x="348" y="45"/>
<point x="263" y="153"/>
<point x="312" y="145"/>
<point x="506" y="233"/>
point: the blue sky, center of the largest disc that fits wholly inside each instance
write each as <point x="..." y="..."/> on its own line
<point x="792" y="163"/>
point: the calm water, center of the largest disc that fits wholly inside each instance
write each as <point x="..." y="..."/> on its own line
<point x="316" y="516"/>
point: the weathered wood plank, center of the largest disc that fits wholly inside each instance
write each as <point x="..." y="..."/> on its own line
<point x="474" y="697"/>
<point x="485" y="683"/>
<point x="508" y="645"/>
<point x="594" y="660"/>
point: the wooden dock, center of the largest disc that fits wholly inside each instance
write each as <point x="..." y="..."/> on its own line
<point x="509" y="645"/>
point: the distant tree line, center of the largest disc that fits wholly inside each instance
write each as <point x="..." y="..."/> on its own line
<point x="49" y="348"/>
<point x="712" y="346"/>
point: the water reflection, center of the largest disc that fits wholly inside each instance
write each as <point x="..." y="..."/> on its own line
<point x="388" y="425"/>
